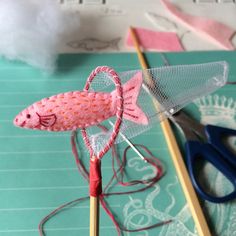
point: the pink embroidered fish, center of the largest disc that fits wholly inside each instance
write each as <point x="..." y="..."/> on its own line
<point x="81" y="109"/>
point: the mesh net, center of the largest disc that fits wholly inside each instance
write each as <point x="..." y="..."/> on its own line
<point x="171" y="88"/>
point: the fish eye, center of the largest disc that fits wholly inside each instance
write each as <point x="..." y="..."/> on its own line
<point x="28" y="116"/>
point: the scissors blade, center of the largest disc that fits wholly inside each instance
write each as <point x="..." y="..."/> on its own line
<point x="189" y="125"/>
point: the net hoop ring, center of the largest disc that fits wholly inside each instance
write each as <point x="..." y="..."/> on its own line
<point x="119" y="112"/>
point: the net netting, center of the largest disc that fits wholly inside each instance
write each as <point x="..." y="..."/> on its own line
<point x="164" y="91"/>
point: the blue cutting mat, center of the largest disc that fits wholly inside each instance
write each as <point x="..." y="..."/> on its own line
<point x="38" y="173"/>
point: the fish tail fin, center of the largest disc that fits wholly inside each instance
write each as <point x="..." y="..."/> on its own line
<point x="131" y="91"/>
<point x="114" y="43"/>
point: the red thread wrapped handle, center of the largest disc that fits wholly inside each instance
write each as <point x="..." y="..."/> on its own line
<point x="95" y="177"/>
<point x="95" y="163"/>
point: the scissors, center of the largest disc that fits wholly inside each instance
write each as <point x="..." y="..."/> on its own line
<point x="205" y="142"/>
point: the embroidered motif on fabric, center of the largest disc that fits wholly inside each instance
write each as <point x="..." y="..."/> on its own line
<point x="47" y="120"/>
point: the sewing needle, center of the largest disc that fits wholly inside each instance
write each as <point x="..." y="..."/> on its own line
<point x="130" y="144"/>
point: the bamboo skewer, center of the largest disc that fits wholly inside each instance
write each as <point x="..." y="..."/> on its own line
<point x="94" y="216"/>
<point x="177" y="158"/>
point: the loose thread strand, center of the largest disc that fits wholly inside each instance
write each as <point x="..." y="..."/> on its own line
<point x="118" y="175"/>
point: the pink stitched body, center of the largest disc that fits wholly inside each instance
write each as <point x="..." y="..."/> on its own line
<point x="81" y="109"/>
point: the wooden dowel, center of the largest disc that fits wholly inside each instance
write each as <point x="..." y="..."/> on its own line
<point x="177" y="158"/>
<point x="94" y="216"/>
<point x="95" y="189"/>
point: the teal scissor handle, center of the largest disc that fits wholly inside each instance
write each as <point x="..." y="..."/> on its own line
<point x="197" y="151"/>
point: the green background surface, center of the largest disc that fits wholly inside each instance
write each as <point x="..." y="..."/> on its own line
<point x="38" y="172"/>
